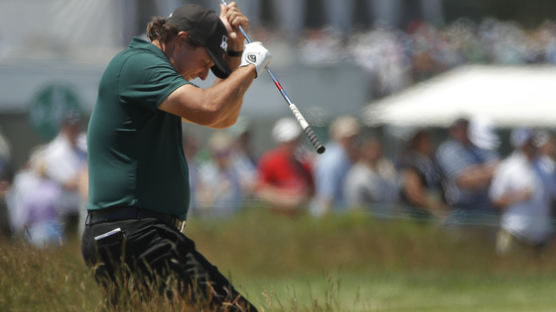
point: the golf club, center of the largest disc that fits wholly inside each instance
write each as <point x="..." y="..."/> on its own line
<point x="300" y="119"/>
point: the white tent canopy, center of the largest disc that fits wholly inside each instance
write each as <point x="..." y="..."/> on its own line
<point x="509" y="96"/>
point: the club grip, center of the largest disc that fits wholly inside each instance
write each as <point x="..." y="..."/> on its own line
<point x="314" y="139"/>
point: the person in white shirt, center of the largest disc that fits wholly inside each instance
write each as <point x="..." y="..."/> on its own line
<point x="66" y="162"/>
<point x="520" y="191"/>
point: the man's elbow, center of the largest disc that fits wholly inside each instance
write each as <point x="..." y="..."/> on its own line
<point x="209" y="114"/>
<point x="225" y="123"/>
<point x="220" y="125"/>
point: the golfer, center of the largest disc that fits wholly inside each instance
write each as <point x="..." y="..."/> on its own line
<point x="139" y="192"/>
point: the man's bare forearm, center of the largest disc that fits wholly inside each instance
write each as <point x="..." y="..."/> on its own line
<point x="230" y="96"/>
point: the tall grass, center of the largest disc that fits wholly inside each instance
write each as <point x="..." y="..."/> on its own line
<point x="274" y="244"/>
<point x="340" y="263"/>
<point x="45" y="280"/>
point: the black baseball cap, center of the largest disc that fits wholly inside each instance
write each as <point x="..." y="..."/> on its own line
<point x="204" y="26"/>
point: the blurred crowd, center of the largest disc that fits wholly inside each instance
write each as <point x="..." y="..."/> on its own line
<point x="460" y="181"/>
<point x="395" y="59"/>
<point x="44" y="201"/>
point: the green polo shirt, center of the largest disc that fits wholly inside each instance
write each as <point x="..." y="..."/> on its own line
<point x="135" y="150"/>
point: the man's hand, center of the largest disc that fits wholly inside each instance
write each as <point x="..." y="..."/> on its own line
<point x="257" y="55"/>
<point x="232" y="18"/>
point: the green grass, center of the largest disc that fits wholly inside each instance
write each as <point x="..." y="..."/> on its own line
<point x="341" y="263"/>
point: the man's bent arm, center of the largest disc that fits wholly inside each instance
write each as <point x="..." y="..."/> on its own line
<point x="217" y="106"/>
<point x="233" y="62"/>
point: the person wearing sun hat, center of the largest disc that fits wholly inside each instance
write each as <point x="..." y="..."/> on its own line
<point x="139" y="191"/>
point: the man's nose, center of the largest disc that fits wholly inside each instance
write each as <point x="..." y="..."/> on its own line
<point x="204" y="74"/>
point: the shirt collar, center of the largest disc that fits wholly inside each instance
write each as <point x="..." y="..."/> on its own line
<point x="140" y="43"/>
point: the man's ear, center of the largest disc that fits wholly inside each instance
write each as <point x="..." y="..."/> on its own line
<point x="182" y="38"/>
<point x="182" y="34"/>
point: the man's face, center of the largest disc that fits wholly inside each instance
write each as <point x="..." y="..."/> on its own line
<point x="350" y="145"/>
<point x="191" y="62"/>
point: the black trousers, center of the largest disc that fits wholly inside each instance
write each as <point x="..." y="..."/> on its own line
<point x="149" y="252"/>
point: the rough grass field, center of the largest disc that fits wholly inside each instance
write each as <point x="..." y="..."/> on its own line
<point x="341" y="263"/>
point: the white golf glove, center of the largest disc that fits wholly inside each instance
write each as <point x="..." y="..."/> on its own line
<point x="254" y="53"/>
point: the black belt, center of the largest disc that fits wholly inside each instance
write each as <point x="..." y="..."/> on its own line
<point x="126" y="213"/>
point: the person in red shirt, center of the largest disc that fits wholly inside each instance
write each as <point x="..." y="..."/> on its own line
<point x="285" y="180"/>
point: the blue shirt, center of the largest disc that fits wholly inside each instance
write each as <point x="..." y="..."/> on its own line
<point x="330" y="172"/>
<point x="453" y="158"/>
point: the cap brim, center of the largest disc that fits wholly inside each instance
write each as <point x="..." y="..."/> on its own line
<point x="220" y="68"/>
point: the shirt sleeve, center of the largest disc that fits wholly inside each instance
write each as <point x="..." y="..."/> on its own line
<point x="147" y="80"/>
<point x="452" y="160"/>
<point x="327" y="178"/>
<point x="264" y="171"/>
<point x="500" y="183"/>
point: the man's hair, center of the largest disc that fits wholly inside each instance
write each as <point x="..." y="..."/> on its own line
<point x="159" y="29"/>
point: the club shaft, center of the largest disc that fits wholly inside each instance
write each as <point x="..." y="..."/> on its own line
<point x="302" y="121"/>
<point x="272" y="76"/>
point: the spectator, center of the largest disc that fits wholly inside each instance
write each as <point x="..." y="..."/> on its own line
<point x="520" y="191"/>
<point x="420" y="178"/>
<point x="547" y="163"/>
<point x="5" y="184"/>
<point x="24" y="182"/>
<point x="547" y="146"/>
<point x="332" y="167"/>
<point x="35" y="204"/>
<point x="219" y="191"/>
<point x="372" y="182"/>
<point x="285" y="179"/>
<point x="5" y="156"/>
<point x="243" y="158"/>
<point x="468" y="161"/>
<point x="65" y="162"/>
